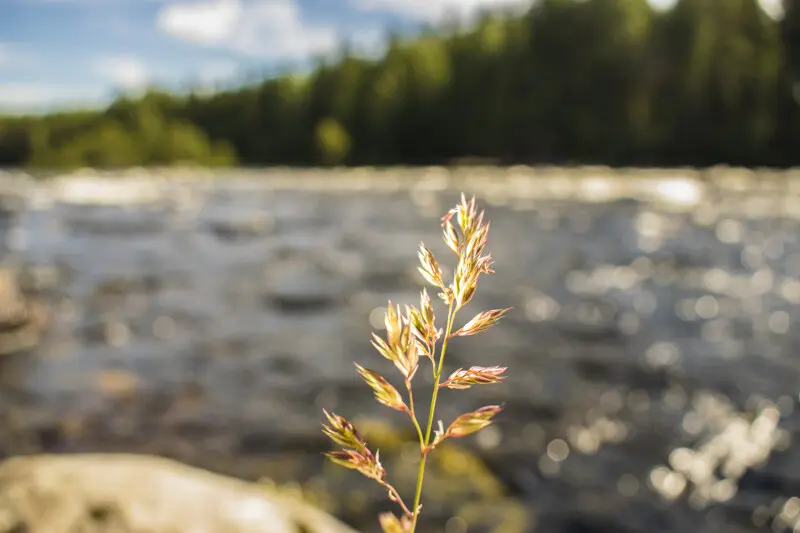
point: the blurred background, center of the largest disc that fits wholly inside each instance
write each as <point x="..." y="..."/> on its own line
<point x="205" y="206"/>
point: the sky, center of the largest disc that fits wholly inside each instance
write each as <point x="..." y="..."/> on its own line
<point x="65" y="53"/>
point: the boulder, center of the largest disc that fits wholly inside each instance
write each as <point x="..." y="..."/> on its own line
<point x="121" y="493"/>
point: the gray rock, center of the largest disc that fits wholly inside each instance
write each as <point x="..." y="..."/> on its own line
<point x="241" y="227"/>
<point x="303" y="283"/>
<point x="13" y="308"/>
<point x="141" y="494"/>
<point x="21" y="320"/>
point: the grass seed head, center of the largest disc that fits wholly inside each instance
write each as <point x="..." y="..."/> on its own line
<point x="344" y="433"/>
<point x="482" y="321"/>
<point x="469" y="423"/>
<point x="384" y="392"/>
<point x="393" y="323"/>
<point x="368" y="465"/>
<point x="476" y="375"/>
<point x="400" y="346"/>
<point x="429" y="267"/>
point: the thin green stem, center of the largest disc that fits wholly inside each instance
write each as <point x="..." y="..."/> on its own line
<point x="395" y="496"/>
<point x="412" y="413"/>
<point x="426" y="442"/>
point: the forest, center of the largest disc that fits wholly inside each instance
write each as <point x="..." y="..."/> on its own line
<point x="570" y="82"/>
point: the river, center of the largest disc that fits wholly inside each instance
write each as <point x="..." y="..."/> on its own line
<point x="210" y="317"/>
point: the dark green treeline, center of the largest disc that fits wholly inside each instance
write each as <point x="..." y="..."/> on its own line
<point x="571" y="82"/>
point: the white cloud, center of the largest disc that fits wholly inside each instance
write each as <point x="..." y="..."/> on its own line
<point x="436" y="10"/>
<point x="125" y="72"/>
<point x="263" y="28"/>
<point x="210" y="23"/>
<point x="662" y="5"/>
<point x="773" y="8"/>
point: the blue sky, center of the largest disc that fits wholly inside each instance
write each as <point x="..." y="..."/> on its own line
<point x="57" y="53"/>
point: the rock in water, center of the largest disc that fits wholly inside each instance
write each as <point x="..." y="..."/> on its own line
<point x="121" y="493"/>
<point x="21" y="321"/>
<point x="13" y="311"/>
